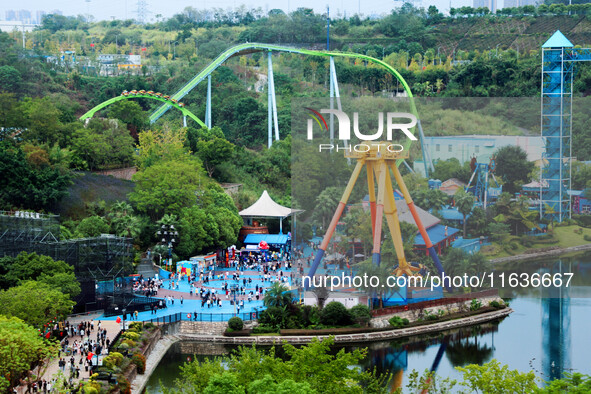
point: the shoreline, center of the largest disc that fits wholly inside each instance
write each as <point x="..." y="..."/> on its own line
<point x="541" y="253"/>
<point x="162" y="346"/>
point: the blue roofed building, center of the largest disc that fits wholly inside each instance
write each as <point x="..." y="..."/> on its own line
<point x="440" y="235"/>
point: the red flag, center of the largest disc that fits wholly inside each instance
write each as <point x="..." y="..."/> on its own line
<point x="90" y="355"/>
<point x="118" y="319"/>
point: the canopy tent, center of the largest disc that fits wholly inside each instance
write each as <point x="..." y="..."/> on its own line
<point x="271" y="239"/>
<point x="265" y="207"/>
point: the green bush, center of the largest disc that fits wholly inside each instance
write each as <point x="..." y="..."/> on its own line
<point x="335" y="314"/>
<point x="134" y="336"/>
<point x="398" y="322"/>
<point x="235" y="323"/>
<point x="430" y="316"/>
<point x="114" y="359"/>
<point x="475" y="305"/>
<point x="310" y="315"/>
<point x="273" y="316"/>
<point x="496" y="304"/>
<point x="136" y="326"/>
<point x="360" y="314"/>
<point x="264" y="330"/>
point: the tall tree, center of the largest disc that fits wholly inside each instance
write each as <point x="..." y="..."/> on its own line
<point x="21" y="350"/>
<point x="513" y="167"/>
<point x="464" y="202"/>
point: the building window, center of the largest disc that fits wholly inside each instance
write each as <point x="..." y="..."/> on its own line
<point x="476" y="148"/>
<point x="437" y="147"/>
<point x="449" y="148"/>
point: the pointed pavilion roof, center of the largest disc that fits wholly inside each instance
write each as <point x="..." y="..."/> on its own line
<point x="558" y="40"/>
<point x="266" y="207"/>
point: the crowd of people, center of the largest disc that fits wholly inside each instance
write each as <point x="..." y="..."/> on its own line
<point x="76" y="354"/>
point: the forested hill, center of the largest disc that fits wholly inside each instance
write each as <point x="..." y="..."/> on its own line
<point x="61" y="73"/>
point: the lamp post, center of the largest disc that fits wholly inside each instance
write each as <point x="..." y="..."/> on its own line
<point x="168" y="236"/>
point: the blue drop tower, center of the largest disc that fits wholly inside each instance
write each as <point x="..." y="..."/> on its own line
<point x="558" y="59"/>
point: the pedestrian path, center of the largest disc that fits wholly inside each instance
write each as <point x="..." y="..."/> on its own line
<point x="52" y="373"/>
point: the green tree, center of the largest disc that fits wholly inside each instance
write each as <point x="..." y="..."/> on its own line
<point x="122" y="220"/>
<point x="92" y="226"/>
<point x="163" y="144"/>
<point x="312" y="368"/>
<point x="513" y="167"/>
<point x="130" y="113"/>
<point x="464" y="202"/>
<point x="44" y="123"/>
<point x="277" y="295"/>
<point x="326" y="204"/>
<point x="10" y="78"/>
<point x="494" y="378"/>
<point x="167" y="187"/>
<point x="213" y="152"/>
<point x="31" y="266"/>
<point x="25" y="186"/>
<point x="21" y="350"/>
<point x="36" y="303"/>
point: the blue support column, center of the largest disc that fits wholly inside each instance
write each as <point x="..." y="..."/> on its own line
<point x="556" y="128"/>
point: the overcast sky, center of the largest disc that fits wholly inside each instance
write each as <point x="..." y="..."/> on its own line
<point x="125" y="9"/>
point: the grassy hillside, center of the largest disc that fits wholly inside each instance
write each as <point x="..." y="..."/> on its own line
<point x="89" y="188"/>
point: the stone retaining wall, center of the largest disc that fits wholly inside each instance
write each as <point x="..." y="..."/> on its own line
<point x="201" y="328"/>
<point x="412" y="315"/>
<point x="362" y="337"/>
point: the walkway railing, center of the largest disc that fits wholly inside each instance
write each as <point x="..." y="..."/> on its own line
<point x="202" y="317"/>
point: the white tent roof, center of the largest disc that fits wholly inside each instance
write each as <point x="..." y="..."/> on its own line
<point x="266" y="207"/>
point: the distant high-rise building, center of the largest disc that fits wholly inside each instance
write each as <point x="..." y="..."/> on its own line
<point x="10" y="15"/>
<point x="24" y="16"/>
<point x="519" y="3"/>
<point x="40" y="15"/>
<point x="490" y="4"/>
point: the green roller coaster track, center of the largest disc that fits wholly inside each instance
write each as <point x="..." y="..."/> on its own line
<point x="248" y="48"/>
<point x="104" y="104"/>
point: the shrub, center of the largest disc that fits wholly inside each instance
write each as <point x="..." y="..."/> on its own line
<point x="235" y="323"/>
<point x="123" y="384"/>
<point x="496" y="304"/>
<point x="398" y="322"/>
<point x="134" y="336"/>
<point x="114" y="359"/>
<point x="263" y="330"/>
<point x="335" y="314"/>
<point x="136" y="326"/>
<point x="149" y="326"/>
<point x="140" y="362"/>
<point x="430" y="316"/>
<point x="129" y="343"/>
<point x="360" y="314"/>
<point x="475" y="305"/>
<point x="310" y="315"/>
<point x="273" y="316"/>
